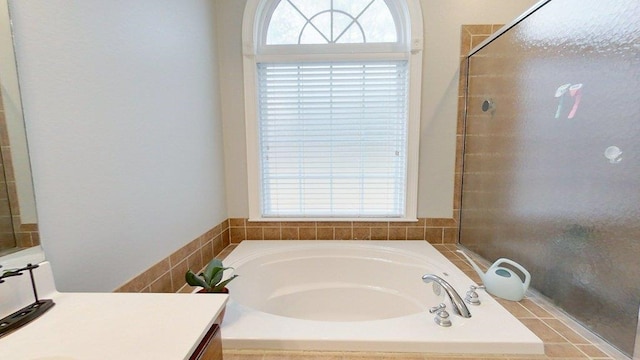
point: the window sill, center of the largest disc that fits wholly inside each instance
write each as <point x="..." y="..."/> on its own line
<point x="304" y="219"/>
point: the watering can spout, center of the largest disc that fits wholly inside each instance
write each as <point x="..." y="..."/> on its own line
<point x="473" y="264"/>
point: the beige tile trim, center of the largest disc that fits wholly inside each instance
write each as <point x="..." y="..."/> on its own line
<point x="435" y="231"/>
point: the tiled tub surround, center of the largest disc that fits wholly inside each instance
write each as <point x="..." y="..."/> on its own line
<point x="167" y="275"/>
<point x="562" y="337"/>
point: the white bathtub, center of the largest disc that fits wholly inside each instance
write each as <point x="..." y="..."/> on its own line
<point x="358" y="296"/>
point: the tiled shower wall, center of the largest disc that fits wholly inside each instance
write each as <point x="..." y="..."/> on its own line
<point x="470" y="37"/>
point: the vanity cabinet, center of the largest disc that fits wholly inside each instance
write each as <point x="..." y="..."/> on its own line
<point x="210" y="348"/>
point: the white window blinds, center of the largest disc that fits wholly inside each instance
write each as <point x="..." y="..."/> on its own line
<point x="333" y="138"/>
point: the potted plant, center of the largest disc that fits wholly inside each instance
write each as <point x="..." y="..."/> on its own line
<point x="211" y="278"/>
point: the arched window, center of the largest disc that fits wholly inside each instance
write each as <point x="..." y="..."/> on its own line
<point x="342" y="22"/>
<point x="332" y="91"/>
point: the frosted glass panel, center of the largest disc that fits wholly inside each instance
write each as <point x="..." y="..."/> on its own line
<point x="552" y="158"/>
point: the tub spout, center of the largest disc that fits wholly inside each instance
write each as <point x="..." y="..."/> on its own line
<point x="459" y="306"/>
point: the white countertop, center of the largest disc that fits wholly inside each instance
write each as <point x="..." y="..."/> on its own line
<point x="115" y="326"/>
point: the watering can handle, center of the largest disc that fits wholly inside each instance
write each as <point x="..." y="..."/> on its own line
<point x="527" y="276"/>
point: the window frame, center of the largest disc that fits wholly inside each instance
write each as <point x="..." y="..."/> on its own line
<point x="409" y="47"/>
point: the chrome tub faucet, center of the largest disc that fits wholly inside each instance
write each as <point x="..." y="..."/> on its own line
<point x="459" y="307"/>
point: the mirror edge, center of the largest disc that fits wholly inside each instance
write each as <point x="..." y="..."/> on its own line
<point x="27" y="213"/>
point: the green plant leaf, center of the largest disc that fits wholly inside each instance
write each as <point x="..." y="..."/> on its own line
<point x="217" y="276"/>
<point x="220" y="286"/>
<point x="194" y="280"/>
<point x="210" y="270"/>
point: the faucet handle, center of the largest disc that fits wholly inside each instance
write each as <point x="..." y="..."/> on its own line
<point x="438" y="308"/>
<point x="472" y="296"/>
<point x="442" y="315"/>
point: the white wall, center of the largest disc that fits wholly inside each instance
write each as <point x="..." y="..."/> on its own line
<point x="123" y="117"/>
<point x="442" y="22"/>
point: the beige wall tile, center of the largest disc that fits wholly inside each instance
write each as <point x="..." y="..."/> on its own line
<point x="236" y="222"/>
<point x="342" y="233"/>
<point x="184" y="252"/>
<point x="465" y="40"/>
<point x="194" y="261"/>
<point x="217" y="244"/>
<point x="237" y="234"/>
<point x="162" y="285"/>
<point x="324" y="233"/>
<point x="307" y="233"/>
<point x="480" y="29"/>
<point x="289" y="233"/>
<point x="207" y="252"/>
<point x="397" y="233"/>
<point x="415" y="233"/>
<point x="271" y="233"/>
<point x="134" y="285"/>
<point x="361" y="233"/>
<point x="433" y="235"/>
<point x="477" y="39"/>
<point x="177" y="274"/>
<point x="441" y="222"/>
<point x="226" y="238"/>
<point x="450" y="235"/>
<point x="255" y="233"/>
<point x="380" y="233"/>
<point x="264" y="223"/>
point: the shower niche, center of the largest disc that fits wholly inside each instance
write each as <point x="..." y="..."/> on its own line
<point x="551" y="171"/>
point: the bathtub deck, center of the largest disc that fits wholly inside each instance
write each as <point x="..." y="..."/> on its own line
<point x="490" y="329"/>
<point x="563" y="338"/>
